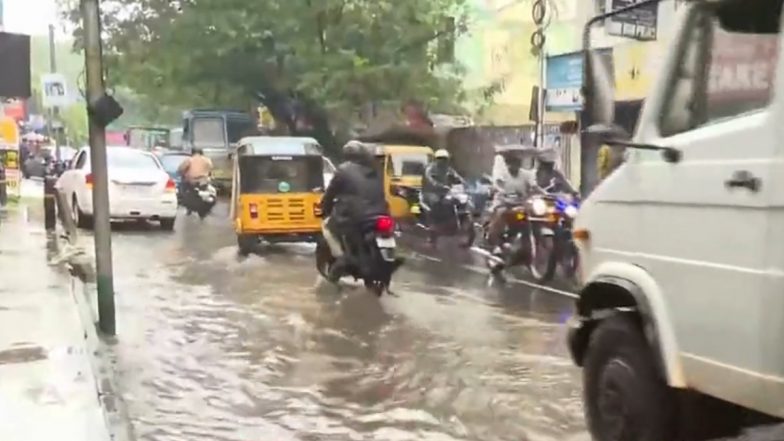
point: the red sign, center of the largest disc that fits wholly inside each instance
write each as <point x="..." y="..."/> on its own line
<point x="743" y="68"/>
<point x="15" y="109"/>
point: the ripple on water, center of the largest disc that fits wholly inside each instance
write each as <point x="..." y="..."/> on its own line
<point x="238" y="349"/>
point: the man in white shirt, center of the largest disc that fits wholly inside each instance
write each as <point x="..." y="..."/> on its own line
<point x="508" y="177"/>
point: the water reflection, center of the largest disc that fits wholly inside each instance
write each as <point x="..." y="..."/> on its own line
<point x="218" y="348"/>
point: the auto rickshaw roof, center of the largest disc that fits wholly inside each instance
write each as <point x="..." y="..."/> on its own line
<point x="388" y="149"/>
<point x="279" y="145"/>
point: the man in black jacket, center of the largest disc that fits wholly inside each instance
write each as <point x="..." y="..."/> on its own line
<point x="355" y="193"/>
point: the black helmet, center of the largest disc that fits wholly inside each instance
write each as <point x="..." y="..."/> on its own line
<point x="358" y="152"/>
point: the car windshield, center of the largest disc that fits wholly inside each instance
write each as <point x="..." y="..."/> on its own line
<point x="172" y="162"/>
<point x="131" y="159"/>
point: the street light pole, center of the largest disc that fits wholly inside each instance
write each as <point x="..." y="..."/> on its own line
<point x="91" y="21"/>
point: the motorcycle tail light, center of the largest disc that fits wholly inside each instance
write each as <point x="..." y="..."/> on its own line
<point x="253" y="209"/>
<point x="385" y="225"/>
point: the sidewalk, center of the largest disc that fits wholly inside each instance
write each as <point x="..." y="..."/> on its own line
<point x="48" y="388"/>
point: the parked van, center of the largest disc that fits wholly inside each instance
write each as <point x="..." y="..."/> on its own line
<point x="680" y="318"/>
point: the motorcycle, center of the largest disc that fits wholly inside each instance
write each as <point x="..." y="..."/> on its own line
<point x="516" y="239"/>
<point x="200" y="198"/>
<point x="566" y="253"/>
<point x="551" y="221"/>
<point x="453" y="217"/>
<point x="371" y="254"/>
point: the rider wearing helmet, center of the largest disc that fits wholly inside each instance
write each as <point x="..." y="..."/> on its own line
<point x="550" y="178"/>
<point x="355" y="193"/>
<point x="439" y="177"/>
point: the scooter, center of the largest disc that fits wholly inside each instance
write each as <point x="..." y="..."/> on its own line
<point x="200" y="198"/>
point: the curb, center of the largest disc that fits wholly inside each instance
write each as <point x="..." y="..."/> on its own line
<point x="118" y="422"/>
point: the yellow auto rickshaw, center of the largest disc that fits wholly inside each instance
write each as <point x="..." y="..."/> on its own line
<point x="402" y="165"/>
<point x="277" y="187"/>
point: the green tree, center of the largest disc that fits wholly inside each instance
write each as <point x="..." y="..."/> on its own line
<point x="340" y="55"/>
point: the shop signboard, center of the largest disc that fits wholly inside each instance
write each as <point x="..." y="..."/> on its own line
<point x="565" y="80"/>
<point x="9" y="155"/>
<point x="639" y="23"/>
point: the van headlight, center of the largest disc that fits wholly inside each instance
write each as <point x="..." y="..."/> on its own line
<point x="571" y="211"/>
<point x="539" y="206"/>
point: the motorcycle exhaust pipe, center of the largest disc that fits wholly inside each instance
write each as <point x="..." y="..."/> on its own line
<point x="488" y="255"/>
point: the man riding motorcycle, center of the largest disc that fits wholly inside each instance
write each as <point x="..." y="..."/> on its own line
<point x="508" y="177"/>
<point x="550" y="178"/>
<point x="438" y="178"/>
<point x="194" y="169"/>
<point x="355" y="193"/>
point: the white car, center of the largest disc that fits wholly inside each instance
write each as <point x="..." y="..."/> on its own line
<point x="139" y="187"/>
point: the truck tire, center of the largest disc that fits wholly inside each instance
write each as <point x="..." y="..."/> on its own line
<point x="625" y="397"/>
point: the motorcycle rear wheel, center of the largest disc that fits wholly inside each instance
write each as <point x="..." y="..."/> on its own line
<point x="324" y="259"/>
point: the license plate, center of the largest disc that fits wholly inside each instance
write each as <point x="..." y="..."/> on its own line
<point x="135" y="189"/>
<point x="415" y="209"/>
<point x="546" y="231"/>
<point x="385" y="242"/>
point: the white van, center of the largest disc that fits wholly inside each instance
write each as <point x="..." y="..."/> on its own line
<point x="680" y="319"/>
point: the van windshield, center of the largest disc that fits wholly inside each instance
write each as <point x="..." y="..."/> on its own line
<point x="209" y="133"/>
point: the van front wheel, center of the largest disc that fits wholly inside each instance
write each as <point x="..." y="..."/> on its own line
<point x="625" y="397"/>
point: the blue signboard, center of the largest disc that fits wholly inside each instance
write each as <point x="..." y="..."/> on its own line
<point x="565" y="80"/>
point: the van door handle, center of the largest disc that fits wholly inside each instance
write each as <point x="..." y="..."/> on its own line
<point x="744" y="179"/>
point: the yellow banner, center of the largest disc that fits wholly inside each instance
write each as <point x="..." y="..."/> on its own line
<point x="9" y="131"/>
<point x="635" y="65"/>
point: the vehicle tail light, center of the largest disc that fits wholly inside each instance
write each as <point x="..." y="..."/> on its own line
<point x="385" y="225"/>
<point x="253" y="209"/>
<point x="171" y="186"/>
<point x="317" y="209"/>
<point x="88" y="180"/>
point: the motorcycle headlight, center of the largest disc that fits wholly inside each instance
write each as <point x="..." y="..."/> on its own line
<point x="462" y="198"/>
<point x="570" y="211"/>
<point x="539" y="206"/>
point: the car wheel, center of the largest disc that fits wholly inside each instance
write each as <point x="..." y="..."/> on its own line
<point x="167" y="224"/>
<point x="80" y="219"/>
<point x="625" y="397"/>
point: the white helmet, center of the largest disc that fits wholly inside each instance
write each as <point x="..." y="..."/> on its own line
<point x="442" y="154"/>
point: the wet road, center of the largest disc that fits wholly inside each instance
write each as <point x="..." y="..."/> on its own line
<point x="213" y="347"/>
<point x="216" y="348"/>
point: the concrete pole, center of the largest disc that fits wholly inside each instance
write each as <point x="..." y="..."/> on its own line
<point x="55" y="114"/>
<point x="91" y="22"/>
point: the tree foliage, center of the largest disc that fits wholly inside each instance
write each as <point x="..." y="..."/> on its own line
<point x="340" y="56"/>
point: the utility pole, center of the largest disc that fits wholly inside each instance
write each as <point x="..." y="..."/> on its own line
<point x="54" y="114"/>
<point x="91" y="22"/>
<point x="538" y="40"/>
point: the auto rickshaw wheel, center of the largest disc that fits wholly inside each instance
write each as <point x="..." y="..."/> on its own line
<point x="247" y="244"/>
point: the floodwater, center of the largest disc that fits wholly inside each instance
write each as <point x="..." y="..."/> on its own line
<point x="214" y="347"/>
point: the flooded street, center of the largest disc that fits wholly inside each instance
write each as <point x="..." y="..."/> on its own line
<point x="212" y="347"/>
